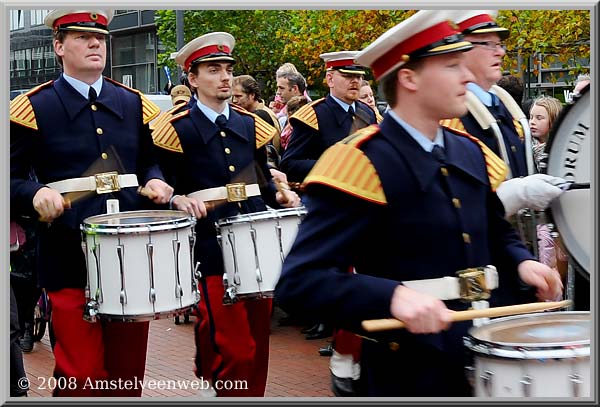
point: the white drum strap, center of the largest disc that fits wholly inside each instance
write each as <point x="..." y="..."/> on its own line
<point x="486" y="120"/>
<point x="483" y="304"/>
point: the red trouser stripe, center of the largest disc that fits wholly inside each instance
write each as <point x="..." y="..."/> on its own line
<point x="232" y="341"/>
<point x="95" y="351"/>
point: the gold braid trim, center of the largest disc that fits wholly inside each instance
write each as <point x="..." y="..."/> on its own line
<point x="307" y="115"/>
<point x="264" y="131"/>
<point x="21" y="111"/>
<point x="165" y="136"/>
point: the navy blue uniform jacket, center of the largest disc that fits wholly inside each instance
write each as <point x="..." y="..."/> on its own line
<point x="67" y="144"/>
<point x="202" y="162"/>
<point x="420" y="233"/>
<point x="307" y="144"/>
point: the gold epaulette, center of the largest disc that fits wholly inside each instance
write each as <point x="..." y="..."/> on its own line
<point x="165" y="136"/>
<point x="519" y="129"/>
<point x="378" y="116"/>
<point x="496" y="168"/>
<point x="454" y="124"/>
<point x="21" y="111"/>
<point x="164" y="116"/>
<point x="307" y="115"/>
<point x="345" y="167"/>
<point x="263" y="130"/>
<point x="149" y="109"/>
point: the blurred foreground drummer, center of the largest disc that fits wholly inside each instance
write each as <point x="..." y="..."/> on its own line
<point x="403" y="202"/>
<point x="67" y="132"/>
<point x="214" y="155"/>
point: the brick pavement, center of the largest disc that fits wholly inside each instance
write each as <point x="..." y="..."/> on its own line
<point x="295" y="367"/>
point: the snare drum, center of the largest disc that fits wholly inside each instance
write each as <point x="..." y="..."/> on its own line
<point x="569" y="155"/>
<point x="536" y="355"/>
<point x="139" y="265"/>
<point x="254" y="246"/>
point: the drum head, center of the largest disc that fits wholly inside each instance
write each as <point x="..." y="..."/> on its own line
<point x="545" y="330"/>
<point x="569" y="157"/>
<point x="136" y="221"/>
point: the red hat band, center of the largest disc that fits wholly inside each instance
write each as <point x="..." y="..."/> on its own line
<point x="417" y="41"/>
<point x="211" y="49"/>
<point x="81" y="18"/>
<point x="475" y="21"/>
<point x="340" y="62"/>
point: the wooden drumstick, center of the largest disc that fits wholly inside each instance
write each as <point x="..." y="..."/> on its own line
<point x="376" y="325"/>
<point x="148" y="193"/>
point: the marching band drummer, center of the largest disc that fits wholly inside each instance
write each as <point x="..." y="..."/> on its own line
<point x="205" y="151"/>
<point x="60" y="130"/>
<point x="402" y="202"/>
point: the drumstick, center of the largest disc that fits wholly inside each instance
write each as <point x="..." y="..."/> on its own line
<point x="148" y="193"/>
<point x="376" y="325"/>
<point x="576" y="185"/>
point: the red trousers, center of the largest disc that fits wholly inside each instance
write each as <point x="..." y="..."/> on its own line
<point x="232" y="342"/>
<point x="347" y="343"/>
<point x="95" y="359"/>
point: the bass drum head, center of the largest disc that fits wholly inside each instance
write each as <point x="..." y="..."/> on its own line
<point x="569" y="156"/>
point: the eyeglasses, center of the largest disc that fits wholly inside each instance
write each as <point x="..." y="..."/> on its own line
<point x="491" y="45"/>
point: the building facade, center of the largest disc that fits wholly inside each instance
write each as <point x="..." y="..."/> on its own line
<point x="132" y="51"/>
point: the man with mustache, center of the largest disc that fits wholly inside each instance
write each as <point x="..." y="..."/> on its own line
<point x="326" y="121"/>
<point x="203" y="149"/>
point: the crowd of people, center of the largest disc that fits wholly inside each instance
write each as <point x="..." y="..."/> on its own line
<point x="421" y="193"/>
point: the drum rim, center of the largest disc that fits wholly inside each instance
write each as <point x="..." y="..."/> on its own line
<point x="180" y="218"/>
<point x="557" y="218"/>
<point x="262" y="215"/>
<point x="519" y="350"/>
<point x="144" y="317"/>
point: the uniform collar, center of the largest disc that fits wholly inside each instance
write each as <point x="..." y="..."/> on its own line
<point x="424" y="166"/>
<point x="481" y="94"/>
<point x="210" y="113"/>
<point x="75" y="103"/>
<point x="208" y="129"/>
<point x="338" y="111"/>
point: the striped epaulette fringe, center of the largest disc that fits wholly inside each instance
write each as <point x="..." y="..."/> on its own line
<point x="345" y="167"/>
<point x="496" y="168"/>
<point x="263" y="130"/>
<point x="165" y="136"/>
<point x="307" y="115"/>
<point x="21" y="111"/>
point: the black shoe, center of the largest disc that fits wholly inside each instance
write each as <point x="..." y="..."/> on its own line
<point x="26" y="341"/>
<point x="323" y="331"/>
<point x="310" y="329"/>
<point x="326" y="350"/>
<point x="343" y="386"/>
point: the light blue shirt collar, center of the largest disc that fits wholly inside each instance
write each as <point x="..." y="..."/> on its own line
<point x="211" y="114"/>
<point x="423" y="141"/>
<point x="343" y="104"/>
<point x="83" y="87"/>
<point x="481" y="94"/>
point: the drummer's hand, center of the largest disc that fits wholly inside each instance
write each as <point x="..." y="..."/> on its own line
<point x="49" y="203"/>
<point x="189" y="205"/>
<point x="289" y="200"/>
<point x="547" y="280"/>
<point x="160" y="189"/>
<point x="278" y="176"/>
<point x="422" y="313"/>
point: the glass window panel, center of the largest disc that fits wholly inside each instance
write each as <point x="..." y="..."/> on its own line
<point x="37" y="16"/>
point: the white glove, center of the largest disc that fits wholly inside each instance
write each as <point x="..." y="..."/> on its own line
<point x="534" y="191"/>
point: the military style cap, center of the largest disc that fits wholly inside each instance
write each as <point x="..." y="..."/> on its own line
<point x="426" y="33"/>
<point x="215" y="46"/>
<point x="180" y="93"/>
<point x="342" y="61"/>
<point x="95" y="21"/>
<point x="478" y="22"/>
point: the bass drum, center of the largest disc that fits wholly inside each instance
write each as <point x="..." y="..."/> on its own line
<point x="569" y="156"/>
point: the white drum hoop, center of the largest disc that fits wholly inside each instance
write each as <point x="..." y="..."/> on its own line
<point x="136" y="222"/>
<point x="568" y="155"/>
<point x="494" y="339"/>
<point x="256" y="216"/>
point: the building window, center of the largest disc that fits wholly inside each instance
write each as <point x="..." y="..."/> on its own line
<point x="49" y="59"/>
<point x="133" y="61"/>
<point x="22" y="62"/>
<point x="16" y="19"/>
<point x="117" y="12"/>
<point x="37" y="16"/>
